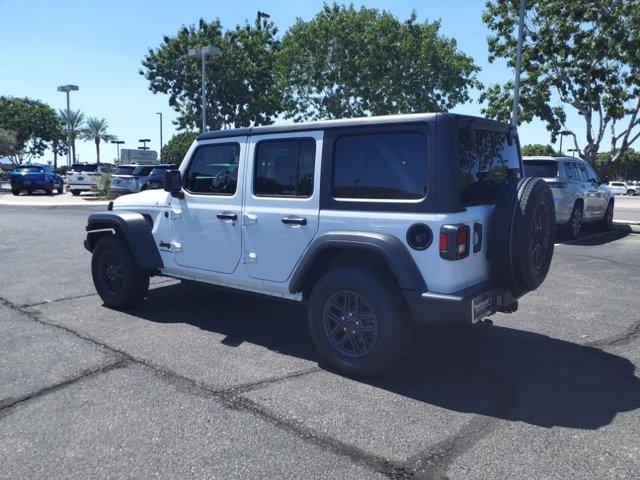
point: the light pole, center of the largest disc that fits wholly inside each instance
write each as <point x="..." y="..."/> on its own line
<point x="573" y="151"/>
<point x="201" y="53"/>
<point x="67" y="89"/>
<point x="144" y="144"/>
<point x="160" y="151"/>
<point x="562" y="134"/>
<point x="516" y="83"/>
<point x="118" y="143"/>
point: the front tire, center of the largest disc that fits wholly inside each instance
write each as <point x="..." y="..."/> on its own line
<point x="119" y="281"/>
<point x="16" y="191"/>
<point x="75" y="193"/>
<point x="49" y="189"/>
<point x="61" y="188"/>
<point x="607" y="220"/>
<point x="358" y="321"/>
<point x="631" y="193"/>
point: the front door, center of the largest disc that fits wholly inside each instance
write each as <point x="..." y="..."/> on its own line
<point x="281" y="211"/>
<point x="591" y="200"/>
<point x="206" y="222"/>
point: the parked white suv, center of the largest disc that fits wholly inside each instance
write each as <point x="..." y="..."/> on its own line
<point x="84" y="177"/>
<point x="624" y="188"/>
<point x="579" y="195"/>
<point x="377" y="224"/>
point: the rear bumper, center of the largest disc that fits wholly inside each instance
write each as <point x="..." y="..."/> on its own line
<point x="82" y="186"/>
<point x="449" y="309"/>
<point x="30" y="184"/>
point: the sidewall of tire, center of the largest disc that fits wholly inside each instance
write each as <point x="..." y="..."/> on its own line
<point x="394" y="326"/>
<point x="135" y="281"/>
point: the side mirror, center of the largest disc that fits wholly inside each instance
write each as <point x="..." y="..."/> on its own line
<point x="172" y="183"/>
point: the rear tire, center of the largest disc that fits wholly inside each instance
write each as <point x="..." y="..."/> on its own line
<point x="16" y="192"/>
<point x="574" y="226"/>
<point x="61" y="188"/>
<point x="118" y="279"/>
<point x="49" y="189"/>
<point x="631" y="193"/>
<point x="358" y="321"/>
<point x="75" y="193"/>
<point x="607" y="220"/>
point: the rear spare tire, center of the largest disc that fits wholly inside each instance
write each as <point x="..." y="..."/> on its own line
<point x="524" y="234"/>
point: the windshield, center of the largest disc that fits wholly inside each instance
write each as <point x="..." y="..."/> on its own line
<point x="541" y="168"/>
<point x="29" y="169"/>
<point x="82" y="167"/>
<point x="124" y="170"/>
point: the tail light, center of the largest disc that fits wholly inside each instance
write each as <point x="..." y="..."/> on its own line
<point x="455" y="241"/>
<point x="557" y="184"/>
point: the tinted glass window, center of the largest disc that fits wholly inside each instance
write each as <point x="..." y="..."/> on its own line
<point x="386" y="166"/>
<point x="540" y="168"/>
<point x="142" y="171"/>
<point x="486" y="160"/>
<point x="80" y="167"/>
<point x="124" y="170"/>
<point x="582" y="172"/>
<point x="570" y="171"/>
<point x="285" y="167"/>
<point x="213" y="169"/>
<point x="160" y="170"/>
<point x="591" y="175"/>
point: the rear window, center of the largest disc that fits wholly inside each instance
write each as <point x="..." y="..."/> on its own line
<point x="124" y="170"/>
<point x="142" y="171"/>
<point x="28" y="169"/>
<point x="387" y="166"/>
<point x="540" y="168"/>
<point x="81" y="167"/>
<point x="486" y="160"/>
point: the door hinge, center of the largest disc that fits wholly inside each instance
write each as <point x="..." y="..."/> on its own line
<point x="248" y="219"/>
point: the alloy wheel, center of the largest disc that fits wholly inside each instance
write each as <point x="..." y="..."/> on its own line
<point x="350" y="324"/>
<point x="541" y="236"/>
<point x="110" y="272"/>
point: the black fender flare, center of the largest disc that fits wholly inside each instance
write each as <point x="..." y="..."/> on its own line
<point x="393" y="251"/>
<point x="134" y="228"/>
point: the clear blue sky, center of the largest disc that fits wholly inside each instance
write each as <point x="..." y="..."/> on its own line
<point x="99" y="45"/>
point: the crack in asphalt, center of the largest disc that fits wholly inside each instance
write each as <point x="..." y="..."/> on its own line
<point x="230" y="398"/>
<point x="6" y="404"/>
<point x="624" y="338"/>
<point x="598" y="258"/>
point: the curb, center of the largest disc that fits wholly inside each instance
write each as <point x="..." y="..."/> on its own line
<point x="626" y="222"/>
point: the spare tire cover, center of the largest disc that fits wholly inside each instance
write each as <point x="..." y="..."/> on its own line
<point x="523" y="234"/>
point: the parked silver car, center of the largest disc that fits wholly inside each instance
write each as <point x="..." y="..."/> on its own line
<point x="129" y="178"/>
<point x="578" y="193"/>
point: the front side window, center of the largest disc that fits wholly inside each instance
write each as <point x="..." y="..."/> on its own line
<point x="487" y="159"/>
<point x="285" y="168"/>
<point x="591" y="174"/>
<point x="582" y="172"/>
<point x="213" y="169"/>
<point x="389" y="166"/>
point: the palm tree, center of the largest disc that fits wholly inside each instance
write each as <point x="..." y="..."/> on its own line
<point x="76" y="120"/>
<point x="96" y="129"/>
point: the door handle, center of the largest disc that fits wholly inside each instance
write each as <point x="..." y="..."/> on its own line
<point x="227" y="216"/>
<point x="294" y="220"/>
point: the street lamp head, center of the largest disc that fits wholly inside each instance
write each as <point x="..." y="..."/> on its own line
<point x="118" y="142"/>
<point x="193" y="53"/>
<point x="211" y="50"/>
<point x="144" y="140"/>
<point x="263" y="14"/>
<point x="67" y="88"/>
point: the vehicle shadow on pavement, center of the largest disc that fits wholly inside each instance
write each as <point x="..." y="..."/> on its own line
<point x="591" y="237"/>
<point x="488" y="370"/>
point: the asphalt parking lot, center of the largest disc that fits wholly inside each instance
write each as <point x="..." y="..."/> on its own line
<point x="205" y="384"/>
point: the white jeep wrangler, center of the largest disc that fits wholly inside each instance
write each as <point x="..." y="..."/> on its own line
<point x="378" y="224"/>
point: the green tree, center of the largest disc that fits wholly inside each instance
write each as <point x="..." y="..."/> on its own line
<point x="348" y="62"/>
<point x="96" y="130"/>
<point x="75" y="118"/>
<point x="34" y="124"/>
<point x="581" y="55"/>
<point x="537" y="149"/>
<point x="8" y="143"/>
<point x="176" y="148"/>
<point x="241" y="90"/>
<point x="627" y="167"/>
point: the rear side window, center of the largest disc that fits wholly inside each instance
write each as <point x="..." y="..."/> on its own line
<point x="213" y="169"/>
<point x="570" y="171"/>
<point x="486" y="160"/>
<point x="284" y="168"/>
<point x="386" y="166"/>
<point x="540" y="168"/>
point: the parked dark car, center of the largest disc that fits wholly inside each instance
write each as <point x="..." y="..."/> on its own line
<point x="35" y="177"/>
<point x="154" y="180"/>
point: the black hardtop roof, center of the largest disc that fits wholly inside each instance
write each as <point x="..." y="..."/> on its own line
<point x="351" y="122"/>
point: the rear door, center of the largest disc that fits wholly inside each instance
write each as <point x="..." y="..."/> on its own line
<point x="591" y="201"/>
<point x="282" y="201"/>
